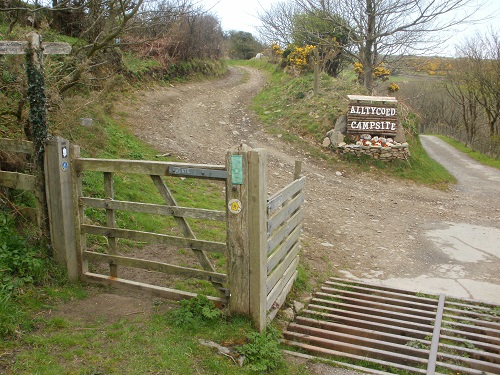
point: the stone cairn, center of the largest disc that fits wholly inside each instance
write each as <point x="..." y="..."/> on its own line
<point x="376" y="147"/>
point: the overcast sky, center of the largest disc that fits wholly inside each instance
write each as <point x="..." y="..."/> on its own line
<point x="241" y="15"/>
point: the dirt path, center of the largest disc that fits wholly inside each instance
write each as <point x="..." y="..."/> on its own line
<point x="356" y="225"/>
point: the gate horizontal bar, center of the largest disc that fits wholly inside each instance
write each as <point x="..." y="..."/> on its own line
<point x="19" y="181"/>
<point x="155" y="266"/>
<point x="158" y="168"/>
<point x="155" y="209"/>
<point x="14" y="145"/>
<point x="153" y="290"/>
<point x="210" y="174"/>
<point x="217" y="247"/>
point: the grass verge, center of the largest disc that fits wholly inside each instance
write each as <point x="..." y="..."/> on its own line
<point x="482" y="158"/>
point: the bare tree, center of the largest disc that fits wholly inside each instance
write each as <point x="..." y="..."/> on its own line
<point x="277" y="23"/>
<point x="480" y="70"/>
<point x="378" y="28"/>
<point x="465" y="97"/>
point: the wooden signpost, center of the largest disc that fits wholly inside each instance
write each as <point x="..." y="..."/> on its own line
<point x="19" y="48"/>
<point x="34" y="50"/>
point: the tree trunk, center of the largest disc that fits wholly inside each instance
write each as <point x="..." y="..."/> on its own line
<point x="369" y="58"/>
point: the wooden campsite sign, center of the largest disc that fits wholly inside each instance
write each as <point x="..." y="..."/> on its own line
<point x="374" y="115"/>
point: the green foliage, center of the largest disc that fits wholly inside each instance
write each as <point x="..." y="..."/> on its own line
<point x="262" y="350"/>
<point x="196" y="311"/>
<point x="417" y="344"/>
<point x="28" y="279"/>
<point x="20" y="263"/>
<point x="195" y="68"/>
<point x="301" y="282"/>
<point x="38" y="103"/>
<point x="243" y="45"/>
<point x="138" y="66"/>
<point x="318" y="29"/>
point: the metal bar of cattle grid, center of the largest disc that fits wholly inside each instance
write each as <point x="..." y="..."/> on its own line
<point x="375" y="329"/>
<point x="431" y="365"/>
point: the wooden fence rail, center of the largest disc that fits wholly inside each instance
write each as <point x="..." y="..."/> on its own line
<point x="203" y="171"/>
<point x="17" y="180"/>
<point x="283" y="230"/>
<point x="14" y="145"/>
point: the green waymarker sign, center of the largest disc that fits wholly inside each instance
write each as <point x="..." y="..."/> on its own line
<point x="236" y="169"/>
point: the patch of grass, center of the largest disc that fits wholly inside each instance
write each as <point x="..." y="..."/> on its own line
<point x="140" y="345"/>
<point x="203" y="287"/>
<point x="301" y="283"/>
<point x="138" y="66"/>
<point x="476" y="155"/>
<point x="419" y="168"/>
<point x="29" y="280"/>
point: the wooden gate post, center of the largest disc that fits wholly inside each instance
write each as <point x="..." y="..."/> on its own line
<point x="59" y="191"/>
<point x="257" y="236"/>
<point x="246" y="200"/>
<point x="238" y="265"/>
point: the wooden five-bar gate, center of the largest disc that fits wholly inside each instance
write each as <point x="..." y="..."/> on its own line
<point x="262" y="234"/>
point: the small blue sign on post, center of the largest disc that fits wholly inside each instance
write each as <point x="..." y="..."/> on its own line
<point x="236" y="169"/>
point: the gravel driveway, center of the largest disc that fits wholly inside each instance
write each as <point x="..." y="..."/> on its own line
<point x="358" y="225"/>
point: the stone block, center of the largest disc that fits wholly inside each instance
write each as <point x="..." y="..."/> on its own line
<point x="341" y="124"/>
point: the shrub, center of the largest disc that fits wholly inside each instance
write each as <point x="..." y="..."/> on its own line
<point x="262" y="350"/>
<point x="20" y="263"/>
<point x="196" y="311"/>
<point x="20" y="266"/>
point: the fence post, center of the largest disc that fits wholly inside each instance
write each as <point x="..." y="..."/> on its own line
<point x="78" y="209"/>
<point x="257" y="235"/>
<point x="246" y="201"/>
<point x="59" y="193"/>
<point x="238" y="267"/>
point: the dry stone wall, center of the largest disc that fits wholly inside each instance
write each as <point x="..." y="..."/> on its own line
<point x="376" y="147"/>
<point x="393" y="152"/>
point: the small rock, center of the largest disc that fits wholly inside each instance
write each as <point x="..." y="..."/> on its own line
<point x="338" y="174"/>
<point x="85" y="121"/>
<point x="298" y="306"/>
<point x="326" y="142"/>
<point x="288" y="314"/>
